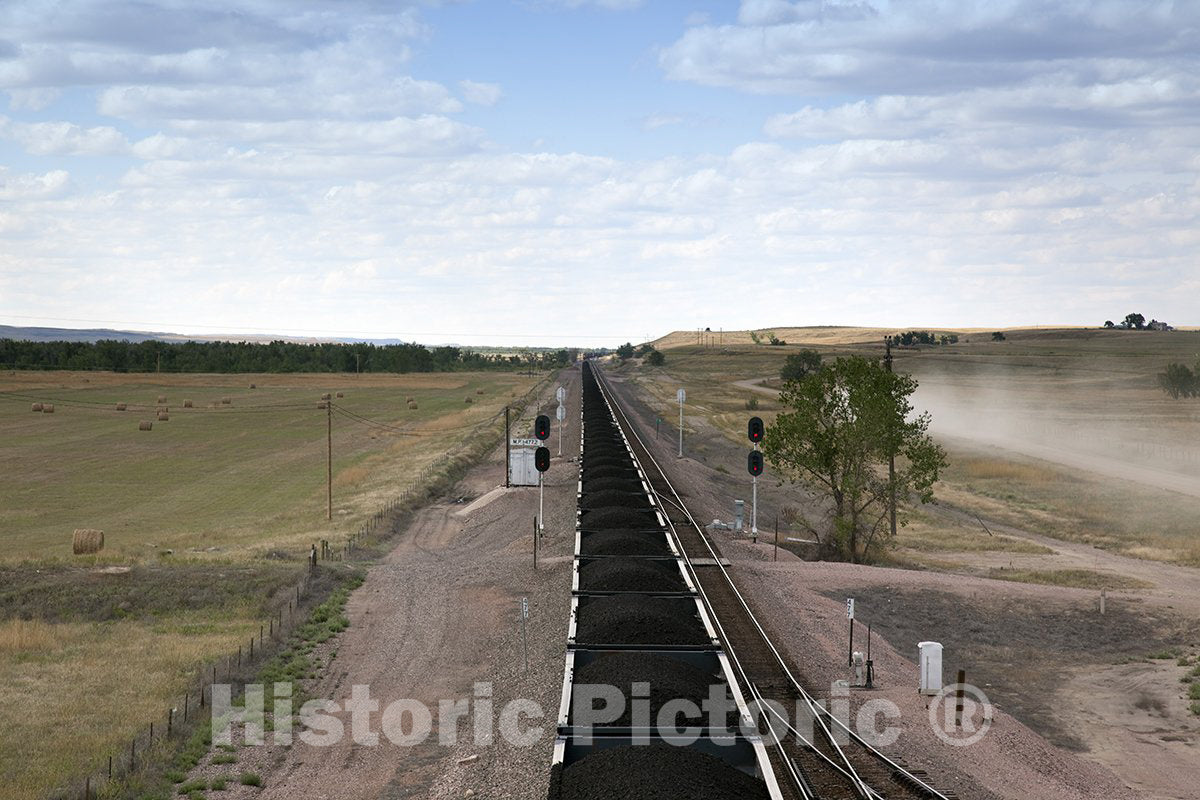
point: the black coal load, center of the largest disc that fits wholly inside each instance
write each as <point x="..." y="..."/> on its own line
<point x="669" y="679"/>
<point x="623" y="543"/>
<point x="613" y="485"/>
<point x="628" y="473"/>
<point x="630" y="619"/>
<point x="606" y="461"/>
<point x="606" y="451"/>
<point x="599" y="499"/>
<point x="655" y="772"/>
<point x="630" y="575"/>
<point x="598" y="519"/>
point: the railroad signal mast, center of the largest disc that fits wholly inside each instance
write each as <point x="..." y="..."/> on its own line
<point x="754" y="465"/>
<point x="541" y="461"/>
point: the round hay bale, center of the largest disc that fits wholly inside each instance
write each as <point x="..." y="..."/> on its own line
<point x="225" y="401"/>
<point x="408" y="400"/>
<point x="163" y="416"/>
<point x="145" y="425"/>
<point x="253" y="386"/>
<point x="479" y="391"/>
<point x="47" y="408"/>
<point x="36" y="407"/>
<point x="412" y="406"/>
<point x="188" y="404"/>
<point x="341" y="394"/>
<point x="327" y="396"/>
<point x="121" y="406"/>
<point x="162" y="410"/>
<point x="469" y="400"/>
<point x="87" y="540"/>
<point x="162" y="398"/>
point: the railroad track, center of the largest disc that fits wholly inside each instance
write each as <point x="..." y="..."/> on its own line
<point x="830" y="762"/>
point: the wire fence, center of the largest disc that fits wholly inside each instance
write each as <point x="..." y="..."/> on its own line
<point x="156" y="740"/>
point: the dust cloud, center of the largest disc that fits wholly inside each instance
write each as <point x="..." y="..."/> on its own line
<point x="1101" y="423"/>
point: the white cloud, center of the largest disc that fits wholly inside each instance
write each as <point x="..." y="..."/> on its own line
<point x="481" y="94"/>
<point x="64" y="138"/>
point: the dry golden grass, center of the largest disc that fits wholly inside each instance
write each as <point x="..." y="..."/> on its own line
<point x="1000" y="469"/>
<point x="19" y="637"/>
<point x="63" y="706"/>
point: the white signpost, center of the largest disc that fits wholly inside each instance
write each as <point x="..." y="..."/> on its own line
<point x="561" y="414"/>
<point x="681" y="396"/>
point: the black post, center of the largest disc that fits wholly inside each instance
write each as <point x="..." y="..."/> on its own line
<point x="870" y="682"/>
<point x="850" y="658"/>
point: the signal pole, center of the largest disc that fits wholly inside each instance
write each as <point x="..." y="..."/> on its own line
<point x="887" y="360"/>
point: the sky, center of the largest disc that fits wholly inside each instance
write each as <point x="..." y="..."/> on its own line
<point x="566" y="172"/>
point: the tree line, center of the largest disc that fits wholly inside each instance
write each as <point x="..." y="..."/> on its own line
<point x="278" y="356"/>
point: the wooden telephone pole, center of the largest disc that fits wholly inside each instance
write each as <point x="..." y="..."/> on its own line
<point x="329" y="457"/>
<point x="887" y="360"/>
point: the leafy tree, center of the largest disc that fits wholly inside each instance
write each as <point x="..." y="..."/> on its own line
<point x="645" y="350"/>
<point x="843" y="422"/>
<point x="656" y="358"/>
<point x="1179" y="381"/>
<point x="998" y="337"/>
<point x="1108" y="323"/>
<point x="754" y="337"/>
<point x="775" y="340"/>
<point x="797" y="365"/>
<point x="625" y="351"/>
<point x="1134" y="321"/>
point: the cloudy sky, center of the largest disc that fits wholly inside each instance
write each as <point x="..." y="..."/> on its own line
<point x="565" y="171"/>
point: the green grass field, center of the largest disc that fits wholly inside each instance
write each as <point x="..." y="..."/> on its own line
<point x="1062" y="432"/>
<point x="206" y="520"/>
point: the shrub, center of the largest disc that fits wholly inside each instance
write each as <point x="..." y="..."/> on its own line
<point x="251" y="779"/>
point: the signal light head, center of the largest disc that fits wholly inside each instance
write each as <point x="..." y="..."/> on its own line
<point x="755" y="429"/>
<point x="541" y="427"/>
<point x="541" y="459"/>
<point x="754" y="464"/>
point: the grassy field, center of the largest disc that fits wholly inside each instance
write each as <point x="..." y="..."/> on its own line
<point x="1062" y="432"/>
<point x="215" y="479"/>
<point x="206" y="519"/>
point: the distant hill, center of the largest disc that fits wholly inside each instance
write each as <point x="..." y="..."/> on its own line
<point x="74" y="334"/>
<point x="33" y="334"/>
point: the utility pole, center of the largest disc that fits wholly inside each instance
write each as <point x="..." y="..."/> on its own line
<point x="507" y="453"/>
<point x="681" y="396"/>
<point x="329" y="458"/>
<point x="887" y="359"/>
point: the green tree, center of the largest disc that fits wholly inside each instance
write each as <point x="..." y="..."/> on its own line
<point x="842" y="423"/>
<point x="797" y="365"/>
<point x="998" y="337"/>
<point x="1135" y="321"/>
<point x="656" y="358"/>
<point x="625" y="351"/>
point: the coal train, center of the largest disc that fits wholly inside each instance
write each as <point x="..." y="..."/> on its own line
<point x="680" y="726"/>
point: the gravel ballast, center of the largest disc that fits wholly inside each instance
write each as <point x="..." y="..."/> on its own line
<point x="656" y="772"/>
